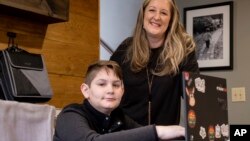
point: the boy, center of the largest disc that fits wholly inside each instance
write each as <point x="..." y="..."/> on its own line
<point x="99" y="119"/>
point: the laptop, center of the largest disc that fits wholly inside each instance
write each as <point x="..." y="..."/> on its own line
<point x="205" y="107"/>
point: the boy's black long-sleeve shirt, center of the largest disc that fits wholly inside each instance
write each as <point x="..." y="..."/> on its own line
<point x="81" y="122"/>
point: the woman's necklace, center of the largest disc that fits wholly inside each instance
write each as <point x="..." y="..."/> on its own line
<point x="150" y="82"/>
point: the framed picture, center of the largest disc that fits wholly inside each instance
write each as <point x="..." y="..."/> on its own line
<point x="212" y="29"/>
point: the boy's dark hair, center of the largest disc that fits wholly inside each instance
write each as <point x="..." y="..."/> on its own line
<point x="94" y="68"/>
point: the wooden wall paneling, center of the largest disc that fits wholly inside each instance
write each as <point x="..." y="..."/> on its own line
<point x="29" y="34"/>
<point x="88" y="8"/>
<point x="74" y="47"/>
<point x="67" y="47"/>
<point x="78" y="38"/>
<point x="66" y="90"/>
<point x="69" y="61"/>
<point x="78" y="30"/>
<point x="20" y="25"/>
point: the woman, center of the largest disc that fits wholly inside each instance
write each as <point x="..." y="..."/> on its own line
<point x="152" y="61"/>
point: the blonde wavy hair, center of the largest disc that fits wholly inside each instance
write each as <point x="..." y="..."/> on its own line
<point x="177" y="45"/>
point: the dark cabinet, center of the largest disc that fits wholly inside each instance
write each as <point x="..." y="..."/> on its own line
<point x="47" y="11"/>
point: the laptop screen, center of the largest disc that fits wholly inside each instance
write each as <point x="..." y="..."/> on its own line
<point x="206" y="113"/>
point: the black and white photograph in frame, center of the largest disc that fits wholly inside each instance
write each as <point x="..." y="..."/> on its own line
<point x="212" y="29"/>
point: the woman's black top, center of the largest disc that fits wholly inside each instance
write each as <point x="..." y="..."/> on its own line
<point x="166" y="90"/>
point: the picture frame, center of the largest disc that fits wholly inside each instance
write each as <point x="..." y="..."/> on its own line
<point x="212" y="29"/>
